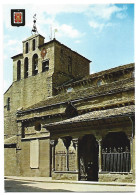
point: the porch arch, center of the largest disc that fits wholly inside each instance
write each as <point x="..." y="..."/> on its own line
<point x="116" y="155"/>
<point x="88" y="158"/>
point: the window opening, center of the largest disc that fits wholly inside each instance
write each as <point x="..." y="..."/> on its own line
<point x="133" y="74"/>
<point x="33" y="44"/>
<point x="45" y="65"/>
<point x="18" y="70"/>
<point x="8" y="103"/>
<point x="37" y="126"/>
<point x="26" y="68"/>
<point x="69" y="64"/>
<point x="35" y="64"/>
<point x="27" y="48"/>
<point x="99" y="83"/>
<point x="70" y="89"/>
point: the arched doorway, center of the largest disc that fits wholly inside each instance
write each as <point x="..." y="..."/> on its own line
<point x="88" y="158"/>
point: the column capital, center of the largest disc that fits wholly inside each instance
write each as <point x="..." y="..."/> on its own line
<point x="99" y="140"/>
<point x="130" y="138"/>
<point x="52" y="142"/>
<point x="75" y="141"/>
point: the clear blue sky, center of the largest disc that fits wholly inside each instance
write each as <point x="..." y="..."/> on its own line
<point x="102" y="33"/>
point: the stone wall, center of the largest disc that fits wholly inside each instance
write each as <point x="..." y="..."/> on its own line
<point x="116" y="177"/>
<point x="10" y="162"/>
<point x="44" y="159"/>
<point x="23" y="94"/>
<point x="65" y="176"/>
<point x="79" y="65"/>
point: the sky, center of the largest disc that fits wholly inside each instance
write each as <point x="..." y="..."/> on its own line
<point x="103" y="33"/>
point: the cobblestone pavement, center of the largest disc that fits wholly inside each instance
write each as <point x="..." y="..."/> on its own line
<point x="12" y="185"/>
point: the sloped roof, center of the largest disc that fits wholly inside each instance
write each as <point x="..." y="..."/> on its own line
<point x="56" y="41"/>
<point x="96" y="115"/>
<point x="21" y="54"/>
<point x="99" y="74"/>
<point x="122" y="85"/>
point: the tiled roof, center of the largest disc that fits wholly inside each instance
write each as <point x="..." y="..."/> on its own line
<point x="100" y="74"/>
<point x="86" y="92"/>
<point x="96" y="115"/>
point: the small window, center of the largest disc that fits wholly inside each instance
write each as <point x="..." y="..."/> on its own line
<point x="45" y="65"/>
<point x="8" y="103"/>
<point x="69" y="64"/>
<point x="70" y="89"/>
<point x="33" y="44"/>
<point x="99" y="83"/>
<point x="37" y="126"/>
<point x="18" y="70"/>
<point x="27" y="48"/>
<point x="61" y="53"/>
<point x="133" y="74"/>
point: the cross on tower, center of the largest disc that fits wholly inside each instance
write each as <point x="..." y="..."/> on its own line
<point x="34" y="29"/>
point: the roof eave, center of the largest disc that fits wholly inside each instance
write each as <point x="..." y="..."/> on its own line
<point x="51" y="126"/>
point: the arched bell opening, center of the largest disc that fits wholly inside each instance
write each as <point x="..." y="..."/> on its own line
<point x="26" y="63"/>
<point x="35" y="64"/>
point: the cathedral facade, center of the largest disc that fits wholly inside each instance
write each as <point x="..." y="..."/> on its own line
<point x="64" y="123"/>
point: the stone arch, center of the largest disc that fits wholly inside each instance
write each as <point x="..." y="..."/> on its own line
<point x="88" y="158"/>
<point x="116" y="155"/>
<point x="116" y="139"/>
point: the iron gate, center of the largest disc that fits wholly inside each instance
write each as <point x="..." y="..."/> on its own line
<point x="116" y="160"/>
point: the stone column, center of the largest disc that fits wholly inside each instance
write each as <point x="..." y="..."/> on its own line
<point x="131" y="153"/>
<point x="75" y="142"/>
<point x="19" y="133"/>
<point x="52" y="142"/>
<point x="100" y="154"/>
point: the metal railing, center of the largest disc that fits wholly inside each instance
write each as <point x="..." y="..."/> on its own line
<point x="116" y="160"/>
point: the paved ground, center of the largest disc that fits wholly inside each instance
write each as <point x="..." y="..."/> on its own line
<point x="26" y="186"/>
<point x="14" y="185"/>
